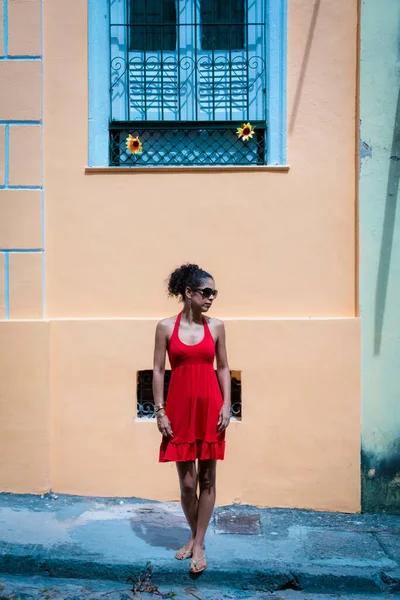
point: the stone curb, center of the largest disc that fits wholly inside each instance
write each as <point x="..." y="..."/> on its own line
<point x="246" y="575"/>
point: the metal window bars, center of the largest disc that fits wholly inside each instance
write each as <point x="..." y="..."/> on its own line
<point x="198" y="70"/>
<point x="186" y="144"/>
<point x="145" y="400"/>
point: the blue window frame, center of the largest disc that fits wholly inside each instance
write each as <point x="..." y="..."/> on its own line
<point x="182" y="76"/>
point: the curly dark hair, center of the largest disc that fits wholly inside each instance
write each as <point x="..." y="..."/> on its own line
<point x="188" y="275"/>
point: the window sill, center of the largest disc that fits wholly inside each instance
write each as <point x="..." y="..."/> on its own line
<point x="188" y="169"/>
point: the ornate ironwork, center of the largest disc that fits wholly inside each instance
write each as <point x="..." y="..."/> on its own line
<point x="186" y="144"/>
<point x="145" y="400"/>
<point x="236" y="397"/>
<point x="171" y="88"/>
<point x="178" y="62"/>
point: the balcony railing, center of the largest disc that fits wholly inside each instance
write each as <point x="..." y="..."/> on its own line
<point x="186" y="144"/>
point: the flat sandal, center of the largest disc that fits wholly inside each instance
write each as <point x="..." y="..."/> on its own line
<point x="186" y="554"/>
<point x="183" y="555"/>
<point x="194" y="563"/>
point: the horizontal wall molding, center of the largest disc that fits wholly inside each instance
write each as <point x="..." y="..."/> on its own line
<point x="188" y="169"/>
<point x="26" y="250"/>
<point x="21" y="187"/>
<point x="226" y="319"/>
<point x="3" y="58"/>
<point x="17" y="122"/>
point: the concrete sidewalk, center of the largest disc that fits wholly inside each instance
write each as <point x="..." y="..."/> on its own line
<point x="247" y="547"/>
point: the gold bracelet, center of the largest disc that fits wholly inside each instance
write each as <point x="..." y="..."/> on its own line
<point x="158" y="407"/>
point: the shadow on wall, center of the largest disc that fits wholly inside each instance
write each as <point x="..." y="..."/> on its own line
<point x="304" y="64"/>
<point x="387" y="232"/>
<point x="380" y="481"/>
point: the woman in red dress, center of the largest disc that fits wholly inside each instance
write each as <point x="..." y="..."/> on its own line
<point x="197" y="410"/>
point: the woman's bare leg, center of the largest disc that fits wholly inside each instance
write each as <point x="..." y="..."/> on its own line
<point x="189" y="500"/>
<point x="207" y="477"/>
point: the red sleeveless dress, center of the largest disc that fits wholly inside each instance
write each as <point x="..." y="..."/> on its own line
<point x="194" y="401"/>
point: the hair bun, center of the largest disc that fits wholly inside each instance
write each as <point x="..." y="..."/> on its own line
<point x="187" y="275"/>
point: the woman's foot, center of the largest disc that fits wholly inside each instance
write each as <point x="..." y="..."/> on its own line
<point x="185" y="552"/>
<point x="198" y="563"/>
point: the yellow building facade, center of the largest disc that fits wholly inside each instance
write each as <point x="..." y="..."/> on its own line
<point x="86" y="249"/>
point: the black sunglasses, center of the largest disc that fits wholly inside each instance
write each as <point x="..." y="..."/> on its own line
<point x="207" y="292"/>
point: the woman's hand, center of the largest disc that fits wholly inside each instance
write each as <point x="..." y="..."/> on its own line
<point x="164" y="426"/>
<point x="224" y="417"/>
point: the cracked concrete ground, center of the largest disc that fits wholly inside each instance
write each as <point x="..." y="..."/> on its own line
<point x="16" y="587"/>
<point x="268" y="550"/>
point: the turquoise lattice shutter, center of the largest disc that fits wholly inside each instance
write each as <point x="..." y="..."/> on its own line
<point x="231" y="60"/>
<point x="144" y="66"/>
<point x="153" y="66"/>
<point x="187" y="60"/>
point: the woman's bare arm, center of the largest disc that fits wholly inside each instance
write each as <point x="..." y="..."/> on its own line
<point x="160" y="350"/>
<point x="224" y="376"/>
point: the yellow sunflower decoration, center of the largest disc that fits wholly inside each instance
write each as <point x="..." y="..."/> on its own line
<point x="133" y="144"/>
<point x="245" y="132"/>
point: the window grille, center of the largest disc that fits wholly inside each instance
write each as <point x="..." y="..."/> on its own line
<point x="184" y="75"/>
<point x="186" y="144"/>
<point x="145" y="400"/>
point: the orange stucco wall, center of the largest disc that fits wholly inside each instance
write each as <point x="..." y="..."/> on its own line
<point x="297" y="442"/>
<point x="281" y="246"/>
<point x="24" y="406"/>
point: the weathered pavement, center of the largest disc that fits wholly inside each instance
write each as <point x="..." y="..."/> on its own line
<point x="247" y="548"/>
<point x="19" y="587"/>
